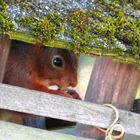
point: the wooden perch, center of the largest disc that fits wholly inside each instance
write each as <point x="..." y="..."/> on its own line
<point x="43" y="104"/>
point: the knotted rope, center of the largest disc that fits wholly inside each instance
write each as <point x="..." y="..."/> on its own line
<point x="109" y="131"/>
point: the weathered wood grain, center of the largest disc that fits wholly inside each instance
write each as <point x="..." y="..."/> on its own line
<point x="4" y="51"/>
<point x="9" y="131"/>
<point x="43" y="104"/>
<point x="110" y="82"/>
<point x="113" y="82"/>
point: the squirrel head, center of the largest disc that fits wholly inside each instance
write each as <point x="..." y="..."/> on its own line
<point x="55" y="66"/>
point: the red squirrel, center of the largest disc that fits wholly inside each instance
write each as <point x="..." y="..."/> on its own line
<point x="36" y="67"/>
<point x="40" y="68"/>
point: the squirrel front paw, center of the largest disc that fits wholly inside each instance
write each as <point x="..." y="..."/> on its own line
<point x="74" y="94"/>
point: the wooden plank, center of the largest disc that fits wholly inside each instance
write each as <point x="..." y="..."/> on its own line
<point x="43" y="104"/>
<point x="110" y="82"/>
<point x="113" y="82"/>
<point x="4" y="51"/>
<point x="9" y="131"/>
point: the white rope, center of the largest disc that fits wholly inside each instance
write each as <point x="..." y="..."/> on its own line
<point x="109" y="132"/>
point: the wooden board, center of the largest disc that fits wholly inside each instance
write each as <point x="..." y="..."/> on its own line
<point x="4" y="51"/>
<point x="111" y="82"/>
<point x="9" y="131"/>
<point x="43" y="104"/>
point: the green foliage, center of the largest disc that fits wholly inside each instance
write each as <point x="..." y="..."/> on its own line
<point x="6" y="23"/>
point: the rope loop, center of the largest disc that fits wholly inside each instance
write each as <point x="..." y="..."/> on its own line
<point x="109" y="131"/>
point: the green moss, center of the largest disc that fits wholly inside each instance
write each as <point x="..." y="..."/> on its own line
<point x="136" y="4"/>
<point x="80" y="31"/>
<point x="46" y="28"/>
<point x="29" y="39"/>
<point x="92" y="51"/>
<point x="100" y="27"/>
<point x="6" y="23"/>
<point x="22" y="37"/>
<point x="103" y="30"/>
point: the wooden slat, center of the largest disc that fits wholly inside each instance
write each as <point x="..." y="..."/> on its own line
<point x="43" y="104"/>
<point x="9" y="131"/>
<point x="4" y="51"/>
<point x="110" y="82"/>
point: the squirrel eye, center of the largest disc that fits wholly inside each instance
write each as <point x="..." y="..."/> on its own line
<point x="57" y="61"/>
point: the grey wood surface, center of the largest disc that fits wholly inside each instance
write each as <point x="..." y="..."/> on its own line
<point x="43" y="104"/>
<point x="9" y="131"/>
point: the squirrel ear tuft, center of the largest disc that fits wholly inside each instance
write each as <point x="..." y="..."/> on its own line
<point x="37" y="47"/>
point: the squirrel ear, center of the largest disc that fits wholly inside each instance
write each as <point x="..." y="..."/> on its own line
<point x="37" y="47"/>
